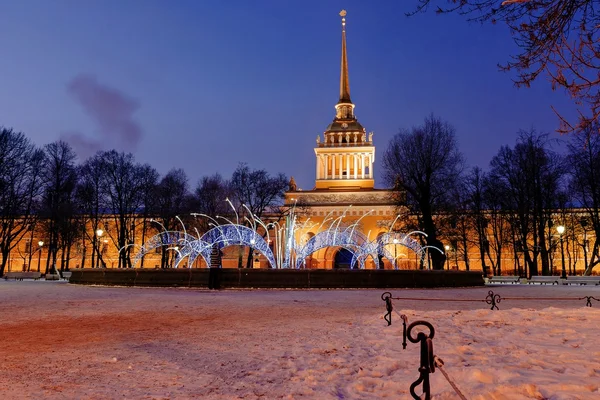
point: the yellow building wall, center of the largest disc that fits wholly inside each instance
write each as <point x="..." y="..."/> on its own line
<point x="27" y="254"/>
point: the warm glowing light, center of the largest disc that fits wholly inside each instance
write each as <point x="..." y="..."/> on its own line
<point x="560" y="229"/>
<point x="395" y="241"/>
<point x="41" y="243"/>
<point x="447" y="247"/>
<point x="99" y="232"/>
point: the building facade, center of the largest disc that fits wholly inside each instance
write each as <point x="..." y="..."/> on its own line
<point x="344" y="200"/>
<point x="344" y="191"/>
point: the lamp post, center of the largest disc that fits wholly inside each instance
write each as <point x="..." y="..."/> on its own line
<point x="104" y="252"/>
<point x="447" y="248"/>
<point x="561" y="229"/>
<point x="395" y="255"/>
<point x="99" y="233"/>
<point x="40" y="243"/>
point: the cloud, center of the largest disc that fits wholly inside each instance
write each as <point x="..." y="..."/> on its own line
<point x="111" y="109"/>
<point x="83" y="146"/>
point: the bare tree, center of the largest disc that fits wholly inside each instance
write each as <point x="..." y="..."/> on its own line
<point x="124" y="184"/>
<point x="210" y="195"/>
<point x="426" y="164"/>
<point x="496" y="222"/>
<point x="256" y="192"/>
<point x="456" y="225"/>
<point x="58" y="203"/>
<point x="91" y="202"/>
<point x="557" y="37"/>
<point x="475" y="202"/>
<point x="20" y="188"/>
<point x="531" y="174"/>
<point x="584" y="158"/>
<point x="172" y="199"/>
<point x="149" y="181"/>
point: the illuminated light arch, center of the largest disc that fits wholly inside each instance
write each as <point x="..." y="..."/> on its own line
<point x="166" y="238"/>
<point x="229" y="235"/>
<point x="192" y="250"/>
<point x="351" y="240"/>
<point x="397" y="238"/>
<point x="402" y="239"/>
<point x="374" y="250"/>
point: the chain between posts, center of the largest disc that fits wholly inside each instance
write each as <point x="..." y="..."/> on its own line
<point x="493" y="299"/>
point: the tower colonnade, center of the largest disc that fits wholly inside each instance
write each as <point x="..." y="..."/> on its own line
<point x="357" y="165"/>
<point x="346" y="156"/>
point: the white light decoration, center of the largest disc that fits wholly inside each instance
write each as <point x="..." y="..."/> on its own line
<point x="289" y="253"/>
<point x="223" y="236"/>
<point x="351" y="240"/>
<point x="165" y="239"/>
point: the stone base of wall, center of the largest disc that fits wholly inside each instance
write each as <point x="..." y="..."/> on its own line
<point x="225" y="278"/>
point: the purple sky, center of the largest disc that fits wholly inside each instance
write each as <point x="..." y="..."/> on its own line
<point x="203" y="85"/>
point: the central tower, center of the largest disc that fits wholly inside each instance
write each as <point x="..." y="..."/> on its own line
<point x="346" y="155"/>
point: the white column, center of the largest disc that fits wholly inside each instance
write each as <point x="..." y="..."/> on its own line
<point x="333" y="160"/>
<point x="320" y="169"/>
<point x="326" y="166"/>
<point x="347" y="166"/>
<point x="317" y="167"/>
<point x="355" y="165"/>
<point x="341" y="158"/>
<point x="370" y="166"/>
<point x="362" y="166"/>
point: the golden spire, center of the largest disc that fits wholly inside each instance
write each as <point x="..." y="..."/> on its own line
<point x="344" y="82"/>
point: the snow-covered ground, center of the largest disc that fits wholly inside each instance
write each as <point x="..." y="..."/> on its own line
<point x="62" y="341"/>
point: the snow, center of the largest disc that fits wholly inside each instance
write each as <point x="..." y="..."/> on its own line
<point x="63" y="341"/>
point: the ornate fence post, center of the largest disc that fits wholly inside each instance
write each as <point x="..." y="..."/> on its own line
<point x="427" y="364"/>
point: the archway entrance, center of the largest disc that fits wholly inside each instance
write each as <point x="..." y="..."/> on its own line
<point x="343" y="259"/>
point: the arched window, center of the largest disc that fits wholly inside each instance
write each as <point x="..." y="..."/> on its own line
<point x="343" y="258"/>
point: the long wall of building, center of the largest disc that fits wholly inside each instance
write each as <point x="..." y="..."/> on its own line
<point x="461" y="254"/>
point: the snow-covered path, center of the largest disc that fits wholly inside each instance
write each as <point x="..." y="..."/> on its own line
<point x="62" y="341"/>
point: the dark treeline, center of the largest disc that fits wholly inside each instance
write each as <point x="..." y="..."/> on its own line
<point x="47" y="192"/>
<point x="516" y="205"/>
<point x="513" y="206"/>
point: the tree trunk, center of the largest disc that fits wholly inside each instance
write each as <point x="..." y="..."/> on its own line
<point x="250" y="259"/>
<point x="5" y="255"/>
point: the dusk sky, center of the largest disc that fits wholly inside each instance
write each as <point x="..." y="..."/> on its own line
<point x="203" y="85"/>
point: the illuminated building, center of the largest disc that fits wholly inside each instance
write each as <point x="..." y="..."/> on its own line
<point x="344" y="181"/>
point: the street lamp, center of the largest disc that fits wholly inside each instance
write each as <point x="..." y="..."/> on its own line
<point x="561" y="229"/>
<point x="99" y="233"/>
<point x="40" y="243"/>
<point x="447" y="247"/>
<point x="395" y="255"/>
